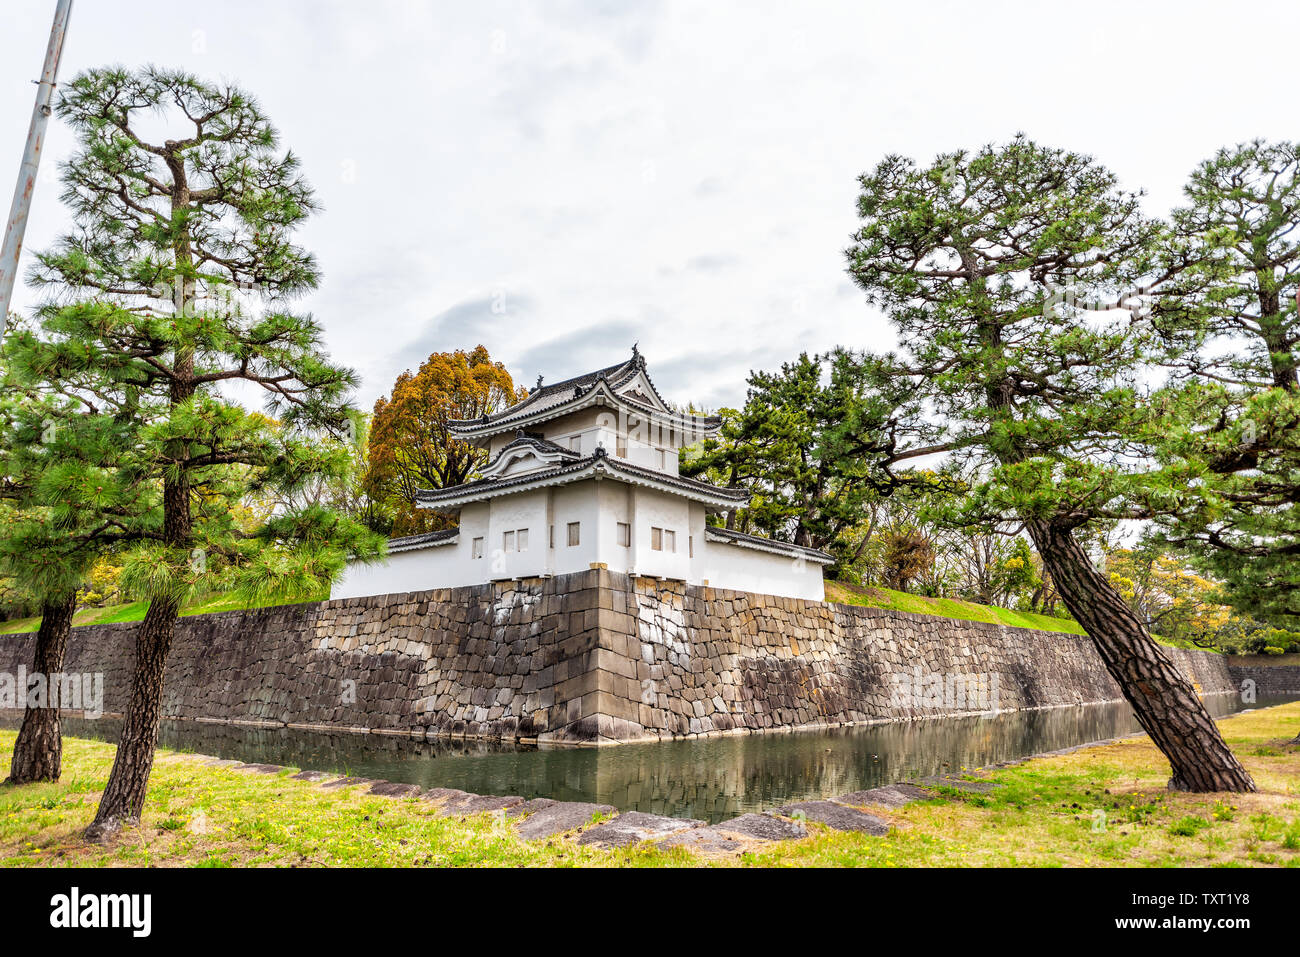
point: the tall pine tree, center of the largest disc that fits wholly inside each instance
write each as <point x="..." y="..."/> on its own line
<point x="181" y="270"/>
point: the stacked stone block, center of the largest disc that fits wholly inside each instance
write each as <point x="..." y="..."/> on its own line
<point x="594" y="657"/>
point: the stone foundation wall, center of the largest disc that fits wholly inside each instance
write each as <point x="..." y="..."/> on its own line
<point x="1271" y="675"/>
<point x="596" y="657"/>
<point x="685" y="660"/>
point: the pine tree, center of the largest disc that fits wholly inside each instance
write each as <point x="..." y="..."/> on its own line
<point x="1233" y="329"/>
<point x="182" y="269"/>
<point x="998" y="270"/>
<point x="812" y="446"/>
<point x="67" y="498"/>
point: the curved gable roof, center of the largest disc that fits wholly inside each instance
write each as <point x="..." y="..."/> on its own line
<point x="545" y="451"/>
<point x="627" y="383"/>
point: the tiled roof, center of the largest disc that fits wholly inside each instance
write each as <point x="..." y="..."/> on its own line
<point x="556" y="394"/>
<point x="600" y="462"/>
<point x="547" y="397"/>
<point x="615" y="373"/>
<point x="445" y="536"/>
<point x="730" y="536"/>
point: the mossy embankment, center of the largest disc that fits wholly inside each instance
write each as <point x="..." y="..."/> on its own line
<point x="847" y="594"/>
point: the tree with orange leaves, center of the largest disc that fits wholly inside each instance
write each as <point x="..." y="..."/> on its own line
<point x="410" y="446"/>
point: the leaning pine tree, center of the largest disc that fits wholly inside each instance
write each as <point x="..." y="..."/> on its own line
<point x="991" y="267"/>
<point x="180" y="271"/>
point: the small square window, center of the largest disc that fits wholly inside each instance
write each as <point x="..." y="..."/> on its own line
<point x="522" y="538"/>
<point x="624" y="534"/>
<point x="575" y="443"/>
<point x="476" y="548"/>
<point x="670" y="540"/>
<point x="574" y="528"/>
<point x="508" y="541"/>
<point x="657" y="539"/>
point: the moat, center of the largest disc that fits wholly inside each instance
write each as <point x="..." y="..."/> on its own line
<point x="710" y="778"/>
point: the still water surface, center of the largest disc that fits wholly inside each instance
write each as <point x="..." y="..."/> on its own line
<point x="712" y="778"/>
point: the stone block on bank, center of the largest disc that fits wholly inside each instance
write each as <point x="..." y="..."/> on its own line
<point x="349" y="782"/>
<point x="530" y="807"/>
<point x="560" y="817"/>
<point x="635" y="827"/>
<point x="477" y="804"/>
<point x="891" y="795"/>
<point x="837" y="816"/>
<point x="736" y="834"/>
<point x="394" y="789"/>
<point x="764" y="827"/>
<point x="313" y="776"/>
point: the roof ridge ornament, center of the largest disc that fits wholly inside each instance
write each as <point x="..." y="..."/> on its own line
<point x="637" y="359"/>
<point x="600" y="452"/>
<point x="539" y="383"/>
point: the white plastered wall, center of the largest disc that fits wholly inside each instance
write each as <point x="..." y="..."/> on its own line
<point x="724" y="565"/>
<point x="440" y="566"/>
<point x="597" y="507"/>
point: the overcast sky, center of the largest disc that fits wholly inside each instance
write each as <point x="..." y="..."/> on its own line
<point x="558" y="180"/>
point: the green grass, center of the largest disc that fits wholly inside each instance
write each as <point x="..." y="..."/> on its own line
<point x="198" y="815"/>
<point x="946" y="608"/>
<point x="134" y="611"/>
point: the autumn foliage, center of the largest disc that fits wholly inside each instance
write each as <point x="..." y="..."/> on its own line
<point x="410" y="445"/>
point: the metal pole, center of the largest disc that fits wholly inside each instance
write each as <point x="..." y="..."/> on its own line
<point x="22" y="204"/>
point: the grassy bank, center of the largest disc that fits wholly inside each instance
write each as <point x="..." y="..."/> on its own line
<point x="1102" y="806"/>
<point x="946" y="608"/>
<point x="134" y="611"/>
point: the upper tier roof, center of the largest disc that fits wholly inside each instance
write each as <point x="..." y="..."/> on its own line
<point x="612" y="385"/>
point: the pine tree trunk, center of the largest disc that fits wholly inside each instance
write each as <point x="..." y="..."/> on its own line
<point x="122" y="802"/>
<point x="1163" y="699"/>
<point x="38" y="751"/>
<point x="123" y="799"/>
